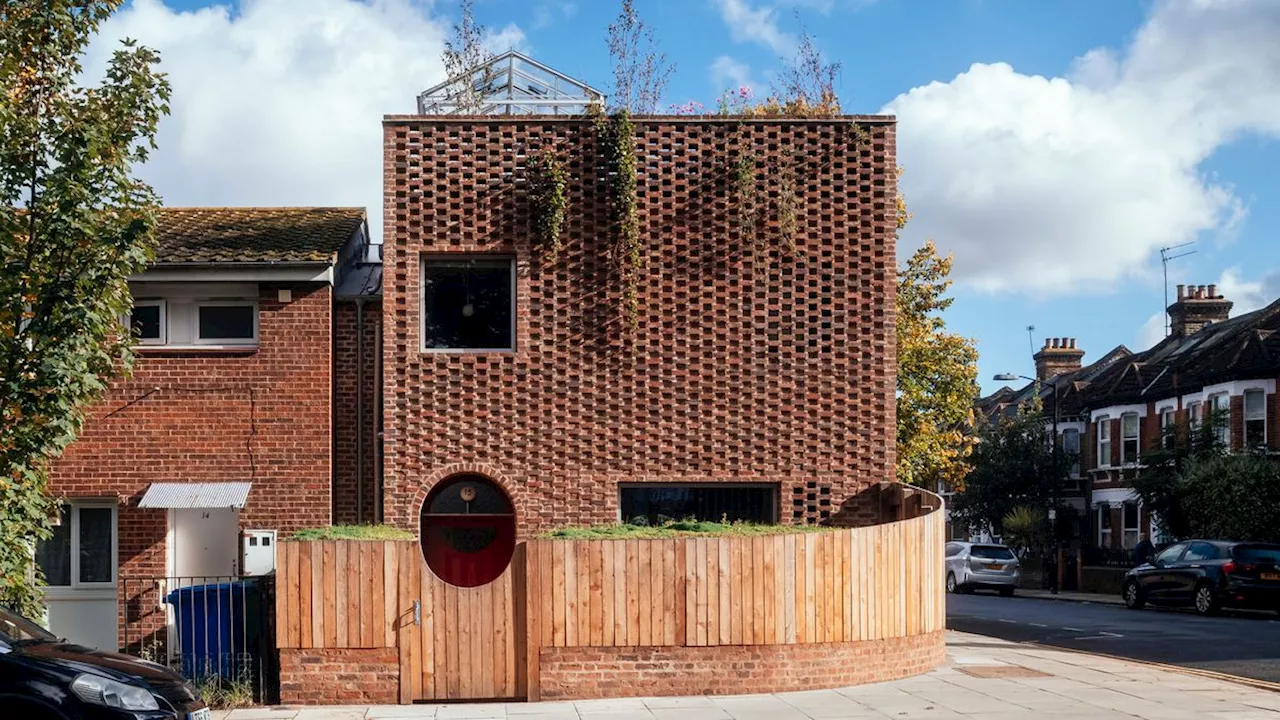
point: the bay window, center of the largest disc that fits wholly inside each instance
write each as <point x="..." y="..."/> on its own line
<point x="1104" y="441"/>
<point x="1255" y="418"/>
<point x="1129" y="440"/>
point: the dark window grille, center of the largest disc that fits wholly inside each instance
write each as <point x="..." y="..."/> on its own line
<point x="655" y="504"/>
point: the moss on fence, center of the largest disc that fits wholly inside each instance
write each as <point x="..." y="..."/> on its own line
<point x="353" y="532"/>
<point x="675" y="528"/>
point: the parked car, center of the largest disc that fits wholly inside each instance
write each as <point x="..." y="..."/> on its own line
<point x="44" y="678"/>
<point x="1207" y="575"/>
<point x="972" y="566"/>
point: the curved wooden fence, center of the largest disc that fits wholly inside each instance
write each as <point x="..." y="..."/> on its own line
<point x="567" y="606"/>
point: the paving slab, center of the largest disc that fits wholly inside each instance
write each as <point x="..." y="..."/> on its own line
<point x="983" y="679"/>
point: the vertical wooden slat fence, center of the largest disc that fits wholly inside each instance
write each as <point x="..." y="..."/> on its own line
<point x="833" y="586"/>
<point x="847" y="585"/>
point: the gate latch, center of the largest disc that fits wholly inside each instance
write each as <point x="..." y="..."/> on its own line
<point x="417" y="612"/>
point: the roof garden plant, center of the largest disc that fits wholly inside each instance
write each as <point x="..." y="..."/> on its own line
<point x="352" y="532"/>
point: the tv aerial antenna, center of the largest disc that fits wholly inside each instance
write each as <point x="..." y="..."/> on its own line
<point x="1167" y="254"/>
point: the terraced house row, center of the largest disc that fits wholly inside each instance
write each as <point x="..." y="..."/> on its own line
<point x="1126" y="403"/>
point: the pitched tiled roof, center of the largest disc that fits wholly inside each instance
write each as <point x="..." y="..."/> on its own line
<point x="1244" y="347"/>
<point x="1072" y="388"/>
<point x="254" y="234"/>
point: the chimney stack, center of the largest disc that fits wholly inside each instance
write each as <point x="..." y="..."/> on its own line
<point x="1196" y="307"/>
<point x="1058" y="356"/>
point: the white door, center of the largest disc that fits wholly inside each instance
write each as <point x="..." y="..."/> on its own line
<point x="203" y="545"/>
<point x="79" y="563"/>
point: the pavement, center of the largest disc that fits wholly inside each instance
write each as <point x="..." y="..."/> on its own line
<point x="1079" y="597"/>
<point x="984" y="678"/>
<point x="1238" y="643"/>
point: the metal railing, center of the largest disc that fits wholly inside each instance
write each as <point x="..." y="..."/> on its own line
<point x="218" y="629"/>
<point x="1107" y="557"/>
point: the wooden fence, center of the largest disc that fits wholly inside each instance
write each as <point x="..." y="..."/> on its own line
<point x="835" y="586"/>
<point x="864" y="583"/>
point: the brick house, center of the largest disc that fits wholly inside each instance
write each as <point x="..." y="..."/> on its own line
<point x="757" y="381"/>
<point x="239" y="415"/>
<point x="1126" y="403"/>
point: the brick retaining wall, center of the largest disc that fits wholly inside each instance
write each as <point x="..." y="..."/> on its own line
<point x="367" y="676"/>
<point x="581" y="673"/>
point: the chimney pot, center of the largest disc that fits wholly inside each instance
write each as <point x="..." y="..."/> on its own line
<point x="1046" y="343"/>
<point x="1213" y="291"/>
<point x="1182" y="291"/>
<point x="1203" y="290"/>
<point x="1073" y="343"/>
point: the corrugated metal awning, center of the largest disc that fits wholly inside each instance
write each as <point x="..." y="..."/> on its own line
<point x="196" y="495"/>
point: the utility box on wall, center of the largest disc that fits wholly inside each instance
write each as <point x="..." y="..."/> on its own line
<point x="258" y="552"/>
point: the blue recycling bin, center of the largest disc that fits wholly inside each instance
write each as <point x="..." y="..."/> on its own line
<point x="216" y="625"/>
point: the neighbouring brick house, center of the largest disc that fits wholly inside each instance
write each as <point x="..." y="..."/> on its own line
<point x="239" y="415"/>
<point x="1124" y="404"/>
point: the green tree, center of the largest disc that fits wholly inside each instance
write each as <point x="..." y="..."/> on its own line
<point x="74" y="224"/>
<point x="641" y="70"/>
<point x="1013" y="466"/>
<point x="937" y="376"/>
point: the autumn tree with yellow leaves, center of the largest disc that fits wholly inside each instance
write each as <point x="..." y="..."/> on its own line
<point x="937" y="374"/>
<point x="74" y="224"/>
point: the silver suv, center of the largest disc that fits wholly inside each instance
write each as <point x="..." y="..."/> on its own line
<point x="981" y="565"/>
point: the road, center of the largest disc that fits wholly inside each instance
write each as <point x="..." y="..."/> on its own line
<point x="1246" y="645"/>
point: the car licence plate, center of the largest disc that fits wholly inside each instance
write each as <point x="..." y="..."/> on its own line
<point x="993" y="566"/>
<point x="202" y="714"/>
<point x="1271" y="576"/>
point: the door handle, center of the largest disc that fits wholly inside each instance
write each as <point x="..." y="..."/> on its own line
<point x="417" y="612"/>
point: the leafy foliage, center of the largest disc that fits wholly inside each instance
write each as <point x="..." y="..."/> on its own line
<point x="353" y="532"/>
<point x="674" y="528"/>
<point x="1013" y="466"/>
<point x="640" y="70"/>
<point x="464" y="54"/>
<point x="807" y="86"/>
<point x="1026" y="529"/>
<point x="548" y="185"/>
<point x="937" y="377"/>
<point x="616" y="134"/>
<point x="74" y="224"/>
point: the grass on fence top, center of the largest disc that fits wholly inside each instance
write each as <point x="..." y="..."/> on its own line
<point x="353" y="532"/>
<point x="675" y="528"/>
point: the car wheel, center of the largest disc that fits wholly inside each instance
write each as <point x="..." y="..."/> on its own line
<point x="1134" y="598"/>
<point x="1206" y="600"/>
<point x="951" y="583"/>
<point x="1006" y="592"/>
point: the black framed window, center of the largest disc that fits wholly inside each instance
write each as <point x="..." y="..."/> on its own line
<point x="227" y="322"/>
<point x="468" y="304"/>
<point x="658" y="503"/>
<point x="147" y="322"/>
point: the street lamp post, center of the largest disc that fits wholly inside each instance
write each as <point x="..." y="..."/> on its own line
<point x="1053" y="507"/>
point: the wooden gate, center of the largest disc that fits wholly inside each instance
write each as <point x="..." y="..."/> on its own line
<point x="461" y="643"/>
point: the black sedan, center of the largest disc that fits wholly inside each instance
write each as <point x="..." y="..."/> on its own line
<point x="42" y="678"/>
<point x="1207" y="575"/>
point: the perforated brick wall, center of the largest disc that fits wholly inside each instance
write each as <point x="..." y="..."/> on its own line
<point x="750" y="360"/>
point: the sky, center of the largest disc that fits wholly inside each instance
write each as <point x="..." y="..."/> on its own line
<point x="1052" y="147"/>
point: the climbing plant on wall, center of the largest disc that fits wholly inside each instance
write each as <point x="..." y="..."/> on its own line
<point x="548" y="184"/>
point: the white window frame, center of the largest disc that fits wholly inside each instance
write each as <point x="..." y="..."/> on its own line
<point x="1125" y="530"/>
<point x="1136" y="439"/>
<point x="224" y="342"/>
<point x="77" y="588"/>
<point x="422" y="300"/>
<point x="1103" y="424"/>
<point x="1074" y="471"/>
<point x="164" y="321"/>
<point x="1195" y="415"/>
<point x="1262" y="416"/>
<point x="1104" y="533"/>
<point x="1224" y="430"/>
<point x="1170" y="414"/>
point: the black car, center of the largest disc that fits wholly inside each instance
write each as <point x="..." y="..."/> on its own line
<point x="43" y="678"/>
<point x="1207" y="575"/>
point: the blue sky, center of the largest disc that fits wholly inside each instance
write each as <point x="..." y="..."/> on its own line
<point x="1054" y="147"/>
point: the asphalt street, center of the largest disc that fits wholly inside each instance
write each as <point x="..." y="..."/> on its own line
<point x="1243" y="644"/>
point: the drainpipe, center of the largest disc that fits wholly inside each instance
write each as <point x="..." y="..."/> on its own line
<point x="359" y="410"/>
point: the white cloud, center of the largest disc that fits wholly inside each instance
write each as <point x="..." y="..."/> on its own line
<point x="509" y="37"/>
<point x="1151" y="332"/>
<point x="548" y="13"/>
<point x="1042" y="185"/>
<point x="756" y="25"/>
<point x="1249" y="295"/>
<point x="280" y="102"/>
<point x="729" y="73"/>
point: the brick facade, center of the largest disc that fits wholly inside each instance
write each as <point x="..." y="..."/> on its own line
<point x="261" y="415"/>
<point x="749" y="361"/>
<point x="580" y="673"/>
<point x="369" y="676"/>
<point x="355" y="492"/>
